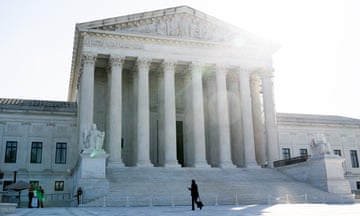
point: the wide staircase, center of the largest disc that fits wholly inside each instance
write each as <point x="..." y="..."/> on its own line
<point x="234" y="186"/>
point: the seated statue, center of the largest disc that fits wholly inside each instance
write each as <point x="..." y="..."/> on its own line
<point x="319" y="145"/>
<point x="93" y="139"/>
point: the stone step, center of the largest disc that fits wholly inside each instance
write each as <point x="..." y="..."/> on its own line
<point x="164" y="186"/>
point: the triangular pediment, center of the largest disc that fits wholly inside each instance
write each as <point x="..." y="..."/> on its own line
<point x="179" y="22"/>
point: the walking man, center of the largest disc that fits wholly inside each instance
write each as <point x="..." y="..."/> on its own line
<point x="194" y="194"/>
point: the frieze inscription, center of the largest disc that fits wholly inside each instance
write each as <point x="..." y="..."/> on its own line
<point x="109" y="43"/>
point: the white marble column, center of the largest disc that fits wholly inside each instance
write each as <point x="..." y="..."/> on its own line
<point x="270" y="118"/>
<point x="236" y="131"/>
<point x="198" y="116"/>
<point x="170" y="114"/>
<point x="143" y="114"/>
<point x="223" y="118"/>
<point x="247" y="120"/>
<point x="115" y="110"/>
<point x="86" y="100"/>
<point x="259" y="128"/>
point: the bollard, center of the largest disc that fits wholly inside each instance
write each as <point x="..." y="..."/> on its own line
<point x="150" y="201"/>
<point x="172" y="200"/>
<point x="287" y="198"/>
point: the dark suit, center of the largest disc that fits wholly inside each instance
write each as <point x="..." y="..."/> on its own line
<point x="194" y="194"/>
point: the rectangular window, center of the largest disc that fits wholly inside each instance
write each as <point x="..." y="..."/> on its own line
<point x="286" y="153"/>
<point x="60" y="155"/>
<point x="337" y="152"/>
<point x="354" y="159"/>
<point x="36" y="152"/>
<point x="59" y="186"/>
<point x="357" y="185"/>
<point x="303" y="152"/>
<point x="10" y="152"/>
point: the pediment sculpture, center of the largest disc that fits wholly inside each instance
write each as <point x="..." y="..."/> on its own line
<point x="180" y="25"/>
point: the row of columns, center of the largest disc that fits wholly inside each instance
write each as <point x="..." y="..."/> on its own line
<point x="86" y="102"/>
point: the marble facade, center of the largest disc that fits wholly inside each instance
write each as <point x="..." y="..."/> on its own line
<point x="176" y="87"/>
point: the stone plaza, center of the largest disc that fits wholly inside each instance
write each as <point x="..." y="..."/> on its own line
<point x="248" y="210"/>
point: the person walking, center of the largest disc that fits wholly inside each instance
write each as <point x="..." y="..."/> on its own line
<point x="31" y="196"/>
<point x="194" y="194"/>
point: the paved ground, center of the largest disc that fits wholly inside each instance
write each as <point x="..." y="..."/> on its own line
<point x="246" y="210"/>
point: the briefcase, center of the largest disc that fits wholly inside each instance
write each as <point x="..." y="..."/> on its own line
<point x="199" y="204"/>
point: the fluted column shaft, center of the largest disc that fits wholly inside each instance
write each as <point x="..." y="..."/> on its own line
<point x="259" y="128"/>
<point x="115" y="110"/>
<point x="170" y="114"/>
<point x="247" y="121"/>
<point x="198" y="116"/>
<point x="86" y="100"/>
<point x="143" y="114"/>
<point x="270" y="119"/>
<point x="223" y="118"/>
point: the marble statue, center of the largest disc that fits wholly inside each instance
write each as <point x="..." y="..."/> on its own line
<point x="93" y="139"/>
<point x="319" y="145"/>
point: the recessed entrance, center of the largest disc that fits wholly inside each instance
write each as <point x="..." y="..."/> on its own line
<point x="180" y="142"/>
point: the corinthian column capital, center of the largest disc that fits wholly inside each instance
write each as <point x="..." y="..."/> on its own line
<point x="117" y="61"/>
<point x="88" y="58"/>
<point x="169" y="64"/>
<point x="143" y="63"/>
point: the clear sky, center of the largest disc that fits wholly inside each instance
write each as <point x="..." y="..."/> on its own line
<point x="316" y="69"/>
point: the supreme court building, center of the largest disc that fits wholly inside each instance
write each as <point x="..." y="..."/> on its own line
<point x="171" y="88"/>
<point x="175" y="87"/>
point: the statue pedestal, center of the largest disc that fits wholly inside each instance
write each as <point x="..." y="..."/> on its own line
<point x="92" y="176"/>
<point x="93" y="164"/>
<point x="326" y="172"/>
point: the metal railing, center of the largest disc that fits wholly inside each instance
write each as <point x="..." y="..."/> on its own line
<point x="215" y="200"/>
<point x="290" y="161"/>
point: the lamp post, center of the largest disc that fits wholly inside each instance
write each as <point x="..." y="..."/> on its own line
<point x="15" y="172"/>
